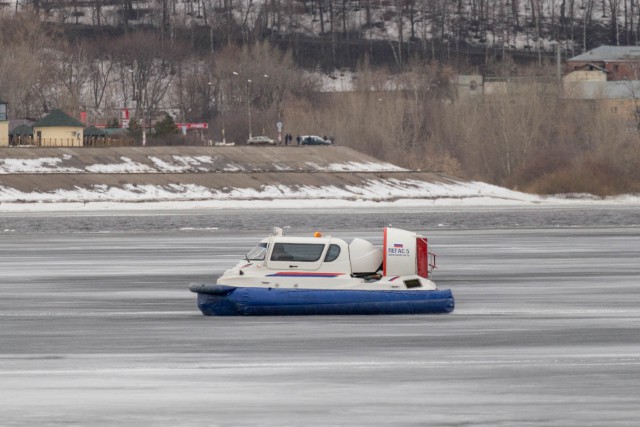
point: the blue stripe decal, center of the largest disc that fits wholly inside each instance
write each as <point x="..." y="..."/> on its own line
<point x="320" y="275"/>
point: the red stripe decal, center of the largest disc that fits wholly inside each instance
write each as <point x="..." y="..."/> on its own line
<point x="384" y="253"/>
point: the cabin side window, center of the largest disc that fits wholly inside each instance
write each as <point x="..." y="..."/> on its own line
<point x="301" y="252"/>
<point x="333" y="253"/>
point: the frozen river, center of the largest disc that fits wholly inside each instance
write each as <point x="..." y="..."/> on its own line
<point x="98" y="328"/>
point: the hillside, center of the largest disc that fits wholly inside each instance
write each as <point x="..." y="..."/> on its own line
<point x="330" y="33"/>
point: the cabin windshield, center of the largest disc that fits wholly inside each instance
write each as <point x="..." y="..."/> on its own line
<point x="257" y="253"/>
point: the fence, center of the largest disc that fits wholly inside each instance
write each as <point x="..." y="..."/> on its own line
<point x="30" y="141"/>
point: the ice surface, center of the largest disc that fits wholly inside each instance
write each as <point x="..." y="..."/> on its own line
<point x="99" y="329"/>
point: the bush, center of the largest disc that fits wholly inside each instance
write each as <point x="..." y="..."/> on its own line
<point x="588" y="175"/>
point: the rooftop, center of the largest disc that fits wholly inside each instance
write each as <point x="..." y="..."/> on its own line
<point x="58" y="118"/>
<point x="93" y="131"/>
<point x="628" y="89"/>
<point x="609" y="53"/>
<point x="22" y="129"/>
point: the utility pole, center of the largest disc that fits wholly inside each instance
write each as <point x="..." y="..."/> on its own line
<point x="249" y="105"/>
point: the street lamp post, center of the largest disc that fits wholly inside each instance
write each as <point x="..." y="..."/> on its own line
<point x="141" y="99"/>
<point x="249" y="105"/>
<point x="249" y="82"/>
<point x="144" y="130"/>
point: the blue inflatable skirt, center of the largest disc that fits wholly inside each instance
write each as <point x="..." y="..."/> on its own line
<point x="219" y="300"/>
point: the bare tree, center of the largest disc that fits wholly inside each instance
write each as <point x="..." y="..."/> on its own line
<point x="102" y="74"/>
<point x="24" y="64"/>
<point x="72" y="70"/>
<point x="147" y="69"/>
<point x="196" y="90"/>
<point x="275" y="82"/>
<point x="614" y="8"/>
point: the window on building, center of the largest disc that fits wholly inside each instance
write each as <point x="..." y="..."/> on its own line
<point x="3" y="112"/>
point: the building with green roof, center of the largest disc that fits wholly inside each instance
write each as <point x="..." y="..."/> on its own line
<point x="58" y="129"/>
<point x="21" y="135"/>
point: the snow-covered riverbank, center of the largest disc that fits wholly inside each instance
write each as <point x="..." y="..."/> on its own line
<point x="237" y="177"/>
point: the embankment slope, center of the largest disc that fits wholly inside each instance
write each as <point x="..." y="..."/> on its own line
<point x="134" y="174"/>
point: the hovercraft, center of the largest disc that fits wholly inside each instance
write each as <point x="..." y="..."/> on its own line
<point x="285" y="275"/>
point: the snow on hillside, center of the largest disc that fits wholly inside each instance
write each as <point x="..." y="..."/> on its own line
<point x="40" y="165"/>
<point x="176" y="164"/>
<point x="490" y="24"/>
<point x="375" y="192"/>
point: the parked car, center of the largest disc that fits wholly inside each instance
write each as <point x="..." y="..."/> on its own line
<point x="261" y="140"/>
<point x="314" y="140"/>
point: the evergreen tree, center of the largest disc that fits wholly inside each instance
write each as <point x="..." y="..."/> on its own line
<point x="166" y="126"/>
